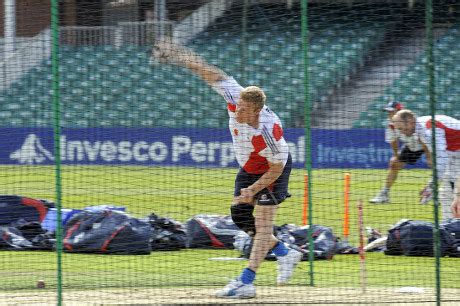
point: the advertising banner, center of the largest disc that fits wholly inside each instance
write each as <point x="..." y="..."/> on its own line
<point x="193" y="147"/>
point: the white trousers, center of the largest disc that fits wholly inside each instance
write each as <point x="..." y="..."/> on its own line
<point x="446" y="193"/>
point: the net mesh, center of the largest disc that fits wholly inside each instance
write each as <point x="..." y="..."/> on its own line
<point x="141" y="138"/>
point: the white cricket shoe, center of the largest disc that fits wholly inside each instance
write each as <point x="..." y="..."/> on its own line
<point x="236" y="289"/>
<point x="382" y="197"/>
<point x="286" y="265"/>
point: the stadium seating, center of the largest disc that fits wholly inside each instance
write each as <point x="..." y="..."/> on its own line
<point x="109" y="86"/>
<point x="411" y="88"/>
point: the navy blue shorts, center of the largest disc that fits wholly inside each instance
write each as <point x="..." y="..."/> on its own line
<point x="273" y="195"/>
<point x="409" y="157"/>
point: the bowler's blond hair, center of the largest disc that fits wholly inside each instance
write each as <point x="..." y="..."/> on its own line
<point x="403" y="115"/>
<point x="255" y="95"/>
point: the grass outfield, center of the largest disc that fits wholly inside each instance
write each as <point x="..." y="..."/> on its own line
<point x="183" y="192"/>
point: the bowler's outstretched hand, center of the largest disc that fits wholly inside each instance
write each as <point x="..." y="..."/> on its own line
<point x="164" y="52"/>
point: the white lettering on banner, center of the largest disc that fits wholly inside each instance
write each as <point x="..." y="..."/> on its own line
<point x="108" y="151"/>
<point x="199" y="152"/>
<point x="227" y="155"/>
<point x="352" y="155"/>
<point x="162" y="151"/>
<point x="297" y="150"/>
<point x="138" y="155"/>
<point x="124" y="151"/>
<point x="183" y="150"/>
<point x="63" y="146"/>
<point x="92" y="150"/>
<point x="293" y="150"/>
<point x="180" y="145"/>
<point x="74" y="146"/>
<point x="301" y="149"/>
<point x="212" y="147"/>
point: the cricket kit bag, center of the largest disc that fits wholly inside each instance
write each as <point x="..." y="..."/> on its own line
<point x="415" y="238"/>
<point x="14" y="208"/>
<point x="12" y="239"/>
<point x="23" y="235"/>
<point x="324" y="241"/>
<point x="452" y="227"/>
<point x="210" y="231"/>
<point x="167" y="234"/>
<point x="107" y="232"/>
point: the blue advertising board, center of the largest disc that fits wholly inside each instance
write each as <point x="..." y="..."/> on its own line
<point x="195" y="147"/>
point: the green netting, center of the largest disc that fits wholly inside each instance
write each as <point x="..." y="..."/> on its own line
<point x="87" y="119"/>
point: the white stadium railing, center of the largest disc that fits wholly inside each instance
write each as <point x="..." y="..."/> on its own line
<point x="125" y="33"/>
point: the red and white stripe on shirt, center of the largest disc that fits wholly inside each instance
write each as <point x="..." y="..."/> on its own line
<point x="451" y="128"/>
<point x="447" y="131"/>
<point x="254" y="147"/>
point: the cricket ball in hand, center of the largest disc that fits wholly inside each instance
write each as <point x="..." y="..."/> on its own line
<point x="40" y="284"/>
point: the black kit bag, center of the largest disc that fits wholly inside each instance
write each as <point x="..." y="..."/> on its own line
<point x="211" y="231"/>
<point x="29" y="230"/>
<point x="23" y="235"/>
<point x="167" y="234"/>
<point x="107" y="232"/>
<point x="12" y="239"/>
<point x="452" y="226"/>
<point x="415" y="238"/>
<point x="324" y="241"/>
<point x="34" y="232"/>
<point x="14" y="208"/>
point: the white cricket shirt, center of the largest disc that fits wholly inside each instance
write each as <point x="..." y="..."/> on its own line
<point x="447" y="137"/>
<point x="254" y="147"/>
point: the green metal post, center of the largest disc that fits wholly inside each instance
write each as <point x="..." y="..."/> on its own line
<point x="57" y="138"/>
<point x="432" y="97"/>
<point x="305" y="45"/>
